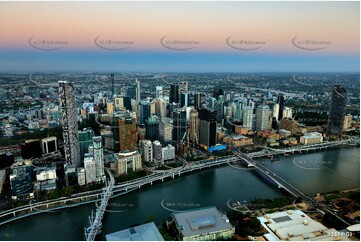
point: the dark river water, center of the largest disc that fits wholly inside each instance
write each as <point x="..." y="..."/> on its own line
<point x="312" y="173"/>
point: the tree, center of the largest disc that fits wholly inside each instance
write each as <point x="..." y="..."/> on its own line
<point x="68" y="191"/>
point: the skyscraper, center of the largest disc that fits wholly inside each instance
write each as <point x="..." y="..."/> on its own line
<point x="276" y="111"/>
<point x="248" y="117"/>
<point x="98" y="158"/>
<point x="217" y="92"/>
<point x="144" y="112"/>
<point x="183" y="87"/>
<point x="337" y="110"/>
<point x="263" y="117"/>
<point x="127" y="133"/>
<point x="159" y="92"/>
<point x="152" y="128"/>
<point x="69" y="123"/>
<point x="207" y="127"/>
<point x="184" y="100"/>
<point x="193" y="126"/>
<point x="137" y="98"/>
<point x="179" y="124"/>
<point x="197" y="100"/>
<point x="174" y="93"/>
<point x="281" y="105"/>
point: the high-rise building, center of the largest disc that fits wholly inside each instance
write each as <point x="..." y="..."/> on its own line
<point x="174" y="93"/>
<point x="184" y="100"/>
<point x="152" y="128"/>
<point x="211" y="103"/>
<point x="281" y="104"/>
<point x="166" y="130"/>
<point x="347" y="123"/>
<point x="49" y="145"/>
<point x="179" y="124"/>
<point x="197" y="100"/>
<point x="31" y="149"/>
<point x="194" y="126"/>
<point x="90" y="169"/>
<point x="160" y="108"/>
<point x="276" y="111"/>
<point x="147" y="151"/>
<point x="69" y="123"/>
<point x="337" y="110"/>
<point x="157" y="151"/>
<point x="159" y="92"/>
<point x="144" y="112"/>
<point x="248" y="117"/>
<point x="263" y="117"/>
<point x="183" y="87"/>
<point x="98" y="158"/>
<point x="137" y="98"/>
<point x="80" y="171"/>
<point x="126" y="162"/>
<point x="207" y="127"/>
<point x="217" y="92"/>
<point x="168" y="153"/>
<point x="127" y="133"/>
<point x="85" y="139"/>
<point x="287" y="112"/>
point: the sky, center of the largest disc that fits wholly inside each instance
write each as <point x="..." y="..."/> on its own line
<point x="179" y="36"/>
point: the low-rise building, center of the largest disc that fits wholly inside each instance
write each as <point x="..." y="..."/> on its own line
<point x="268" y="134"/>
<point x="126" y="162"/>
<point x="311" y="138"/>
<point x="202" y="224"/>
<point x="144" y="232"/>
<point x="237" y="140"/>
<point x="297" y="226"/>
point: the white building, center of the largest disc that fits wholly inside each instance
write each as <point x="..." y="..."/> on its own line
<point x="276" y="111"/>
<point x="157" y="151"/>
<point x="311" y="138"/>
<point x="248" y="117"/>
<point x="147" y="150"/>
<point x="287" y="112"/>
<point x="98" y="158"/>
<point x="295" y="225"/>
<point x="126" y="162"/>
<point x="81" y="176"/>
<point x="48" y="173"/>
<point x="90" y="169"/>
<point x="168" y="153"/>
<point x="263" y="117"/>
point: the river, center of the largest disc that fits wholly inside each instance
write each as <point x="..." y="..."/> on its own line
<point x="314" y="172"/>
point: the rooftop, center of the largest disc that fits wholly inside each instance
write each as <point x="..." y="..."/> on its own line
<point x="296" y="225"/>
<point x="148" y="232"/>
<point x="201" y="221"/>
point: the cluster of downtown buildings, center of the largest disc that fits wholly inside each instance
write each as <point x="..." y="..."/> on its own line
<point x="154" y="130"/>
